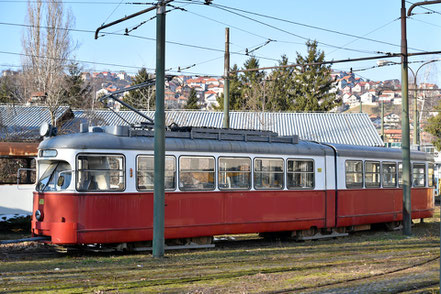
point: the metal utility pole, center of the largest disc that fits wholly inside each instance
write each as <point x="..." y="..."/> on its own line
<point x="405" y="137"/>
<point x="361" y="106"/>
<point x="409" y="13"/>
<point x="159" y="195"/>
<point x="226" y="123"/>
<point x="382" y="120"/>
<point x="159" y="192"/>
<point x="415" y="112"/>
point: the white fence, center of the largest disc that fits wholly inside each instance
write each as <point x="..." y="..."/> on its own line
<point x="15" y="199"/>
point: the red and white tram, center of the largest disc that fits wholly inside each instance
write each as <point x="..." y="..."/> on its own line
<point x="96" y="186"/>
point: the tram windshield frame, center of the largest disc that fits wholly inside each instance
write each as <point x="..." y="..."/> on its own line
<point x="56" y="177"/>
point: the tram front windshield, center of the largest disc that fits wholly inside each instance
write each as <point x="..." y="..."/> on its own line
<point x="55" y="176"/>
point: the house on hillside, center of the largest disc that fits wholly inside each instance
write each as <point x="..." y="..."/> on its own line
<point x="36" y="98"/>
<point x="392" y="118"/>
<point x="368" y="98"/>
<point x="359" y="87"/>
<point x="210" y="100"/>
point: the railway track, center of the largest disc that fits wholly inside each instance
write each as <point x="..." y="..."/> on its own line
<point x="249" y="259"/>
<point x="316" y="289"/>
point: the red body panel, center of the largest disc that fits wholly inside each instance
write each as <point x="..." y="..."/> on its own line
<point x="127" y="217"/>
<point x="367" y="206"/>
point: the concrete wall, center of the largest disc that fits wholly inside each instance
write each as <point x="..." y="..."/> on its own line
<point x="15" y="199"/>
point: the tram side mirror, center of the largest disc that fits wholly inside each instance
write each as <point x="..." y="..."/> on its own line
<point x="60" y="181"/>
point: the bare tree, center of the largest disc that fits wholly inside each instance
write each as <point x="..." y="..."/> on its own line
<point x="47" y="46"/>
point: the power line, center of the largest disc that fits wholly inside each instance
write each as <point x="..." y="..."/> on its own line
<point x="315" y="27"/>
<point x="422" y="21"/>
<point x="379" y="28"/>
<point x="113" y="11"/>
<point x="292" y="34"/>
<point x="139" y="37"/>
<point x="385" y="65"/>
<point x="330" y="62"/>
<point x="66" y="2"/>
<point x="75" y="60"/>
<point x="230" y="10"/>
<point x="101" y="63"/>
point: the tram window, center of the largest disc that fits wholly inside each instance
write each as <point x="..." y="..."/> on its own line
<point x="372" y="174"/>
<point x="300" y="174"/>
<point x="419" y="175"/>
<point x="354" y="174"/>
<point x="146" y="172"/>
<point x="431" y="175"/>
<point x="268" y="173"/>
<point x="400" y="174"/>
<point x="234" y="173"/>
<point x="55" y="176"/>
<point x="99" y="173"/>
<point x="196" y="173"/>
<point x="389" y="174"/>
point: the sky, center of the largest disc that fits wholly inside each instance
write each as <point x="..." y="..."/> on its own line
<point x="268" y="29"/>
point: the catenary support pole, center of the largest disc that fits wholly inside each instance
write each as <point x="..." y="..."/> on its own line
<point x="226" y="123"/>
<point x="382" y="120"/>
<point x="415" y="112"/>
<point x="405" y="138"/>
<point x="159" y="195"/>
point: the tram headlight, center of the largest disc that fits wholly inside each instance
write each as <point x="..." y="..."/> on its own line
<point x="47" y="130"/>
<point x="38" y="215"/>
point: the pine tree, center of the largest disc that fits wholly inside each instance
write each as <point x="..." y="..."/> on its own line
<point x="8" y="90"/>
<point x="141" y="98"/>
<point x="434" y="127"/>
<point x="235" y="92"/>
<point x="281" y="87"/>
<point x="252" y="91"/>
<point x="313" y="82"/>
<point x="77" y="93"/>
<point x="192" y="102"/>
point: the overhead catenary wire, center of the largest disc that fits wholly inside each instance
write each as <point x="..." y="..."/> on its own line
<point x="317" y="27"/>
<point x="139" y="37"/>
<point x="102" y="63"/>
<point x="234" y="10"/>
<point x="391" y="55"/>
<point x="296" y="35"/>
<point x="374" y="30"/>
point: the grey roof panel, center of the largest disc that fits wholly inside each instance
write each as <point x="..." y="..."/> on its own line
<point x="23" y="122"/>
<point x="338" y="128"/>
<point x="104" y="141"/>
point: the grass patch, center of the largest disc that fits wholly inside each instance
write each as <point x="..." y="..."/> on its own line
<point x="248" y="265"/>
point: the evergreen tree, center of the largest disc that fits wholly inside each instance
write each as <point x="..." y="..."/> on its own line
<point x="252" y="91"/>
<point x="235" y="92"/>
<point x="280" y="87"/>
<point x="8" y="89"/>
<point x="192" y="102"/>
<point x="434" y="127"/>
<point x="141" y="98"/>
<point x="313" y="82"/>
<point x="77" y="93"/>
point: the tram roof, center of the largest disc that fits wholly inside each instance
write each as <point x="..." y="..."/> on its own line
<point x="105" y="141"/>
<point x="337" y="128"/>
<point x="263" y="143"/>
<point x="21" y="122"/>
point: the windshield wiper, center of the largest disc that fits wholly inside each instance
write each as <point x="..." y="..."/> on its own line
<point x="49" y="179"/>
